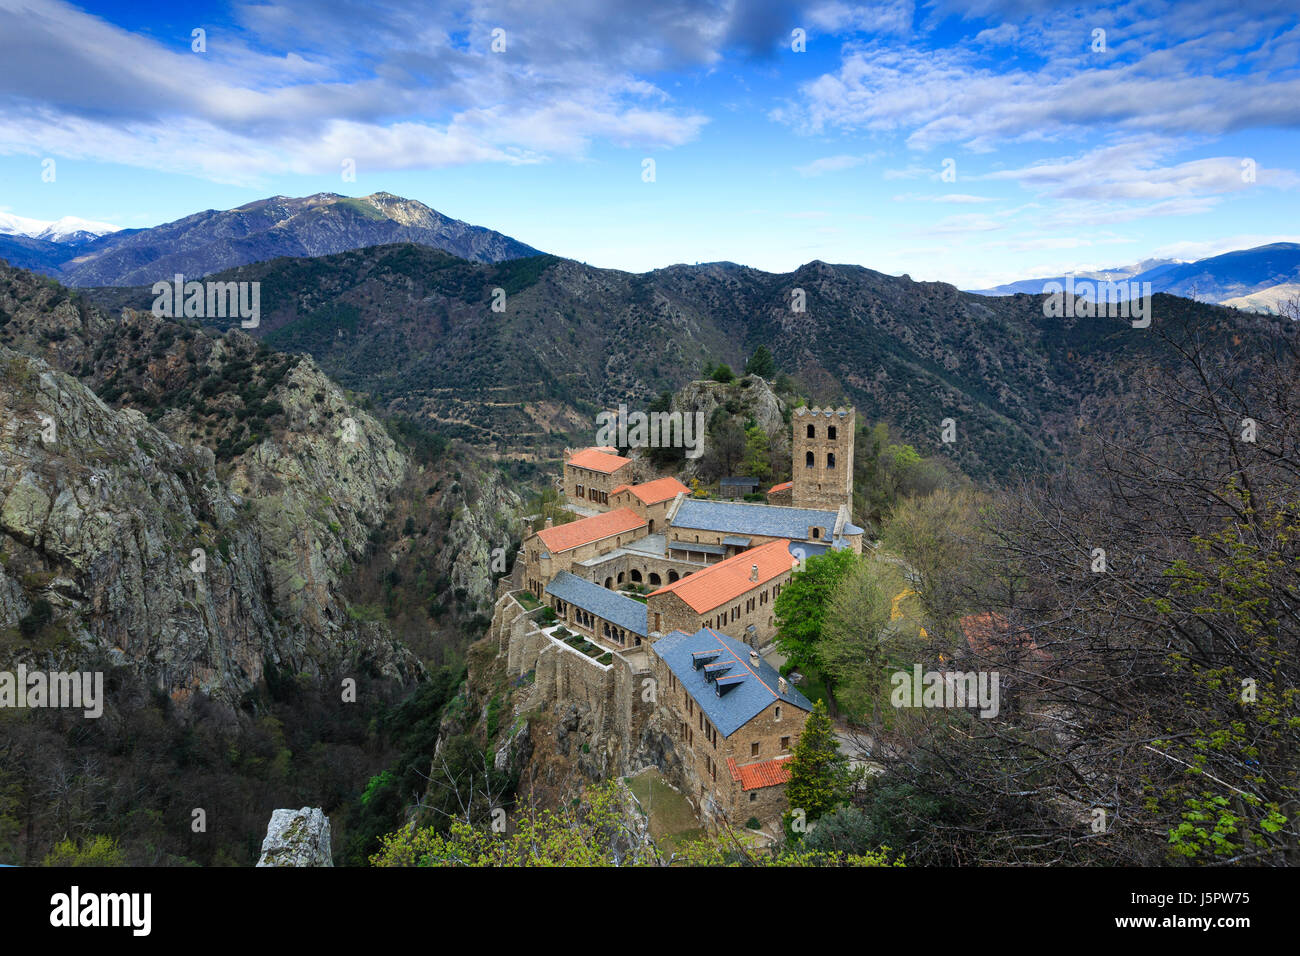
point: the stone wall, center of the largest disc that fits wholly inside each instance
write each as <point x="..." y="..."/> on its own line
<point x="617" y="719"/>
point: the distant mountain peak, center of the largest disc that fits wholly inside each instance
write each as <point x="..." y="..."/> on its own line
<point x="296" y="227"/>
<point x="66" y="229"/>
<point x="1229" y="278"/>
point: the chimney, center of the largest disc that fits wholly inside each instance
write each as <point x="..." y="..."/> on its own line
<point x="550" y="522"/>
<point x="753" y="658"/>
<point x="753" y="572"/>
<point x="781" y="685"/>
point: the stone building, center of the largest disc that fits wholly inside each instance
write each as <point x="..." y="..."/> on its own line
<point x="651" y="500"/>
<point x="591" y="475"/>
<point x="737" y="487"/>
<point x="733" y="526"/>
<point x="558" y="548"/>
<point x="822" y="457"/>
<point x="737" y="594"/>
<point x="736" y="723"/>
<point x="782" y="494"/>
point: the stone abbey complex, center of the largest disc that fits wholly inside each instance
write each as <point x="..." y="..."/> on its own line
<point x="650" y="614"/>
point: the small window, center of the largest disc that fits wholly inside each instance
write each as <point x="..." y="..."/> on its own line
<point x="778" y="713"/>
<point x="830" y="432"/>
<point x="753" y="796"/>
<point x="753" y="749"/>
<point x="830" y="460"/>
<point x="785" y="743"/>
<point x="812" y="431"/>
<point x="809" y="461"/>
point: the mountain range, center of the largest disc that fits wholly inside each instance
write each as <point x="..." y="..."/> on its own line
<point x="83" y="253"/>
<point x="1257" y="279"/>
<point x="212" y="240"/>
<point x="417" y="330"/>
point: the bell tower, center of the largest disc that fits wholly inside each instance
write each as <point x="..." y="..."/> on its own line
<point x="822" y="459"/>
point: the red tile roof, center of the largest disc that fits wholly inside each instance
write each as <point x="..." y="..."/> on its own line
<point x="781" y="487"/>
<point x="989" y="634"/>
<point x="727" y="580"/>
<point x="767" y="773"/>
<point x="653" y="492"/>
<point x="566" y="537"/>
<point x="595" y="460"/>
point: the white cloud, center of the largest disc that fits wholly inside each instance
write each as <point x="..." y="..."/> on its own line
<point x="829" y="164"/>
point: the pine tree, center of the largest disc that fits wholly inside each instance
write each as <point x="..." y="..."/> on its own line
<point x="761" y="363"/>
<point x="818" y="772"/>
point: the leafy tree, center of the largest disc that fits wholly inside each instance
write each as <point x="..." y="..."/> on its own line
<point x="722" y="373"/>
<point x="800" y="608"/>
<point x="818" y="771"/>
<point x="761" y="363"/>
<point x="93" y="851"/>
<point x="937" y="536"/>
<point x="594" y="831"/>
<point x="857" y="641"/>
<point x="758" y="454"/>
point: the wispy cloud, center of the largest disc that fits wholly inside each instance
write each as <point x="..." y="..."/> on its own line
<point x="830" y="164"/>
<point x="376" y="85"/>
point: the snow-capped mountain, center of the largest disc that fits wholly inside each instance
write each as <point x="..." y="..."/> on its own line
<point x="69" y="229"/>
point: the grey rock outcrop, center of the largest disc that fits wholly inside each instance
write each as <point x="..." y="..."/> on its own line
<point x="297" y="838"/>
<point x="195" y="577"/>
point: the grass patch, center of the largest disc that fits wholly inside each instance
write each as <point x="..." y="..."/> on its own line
<point x="672" y="821"/>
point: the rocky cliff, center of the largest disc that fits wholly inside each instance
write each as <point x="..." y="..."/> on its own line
<point x="116" y="537"/>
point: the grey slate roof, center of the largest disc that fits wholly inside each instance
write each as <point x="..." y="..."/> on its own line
<point x="773" y="521"/>
<point x="618" y="610"/>
<point x="746" y="689"/>
<point x="697" y="547"/>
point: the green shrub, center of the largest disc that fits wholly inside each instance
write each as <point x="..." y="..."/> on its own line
<point x="41" y="614"/>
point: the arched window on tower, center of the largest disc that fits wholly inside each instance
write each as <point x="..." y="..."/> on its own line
<point x="812" y="431"/>
<point x="830" y="459"/>
<point x="830" y="432"/>
<point x="809" y="461"/>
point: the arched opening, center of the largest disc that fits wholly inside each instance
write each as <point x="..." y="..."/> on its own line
<point x="652" y="525"/>
<point x="830" y="432"/>
<point x="609" y="582"/>
<point x="620" y="577"/>
<point x="672" y="576"/>
<point x="808" y="460"/>
<point x="812" y="431"/>
<point x="655" y="580"/>
<point x="636" y="576"/>
<point x="830" y="459"/>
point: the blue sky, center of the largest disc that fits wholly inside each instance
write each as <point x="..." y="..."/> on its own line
<point x="1179" y="138"/>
